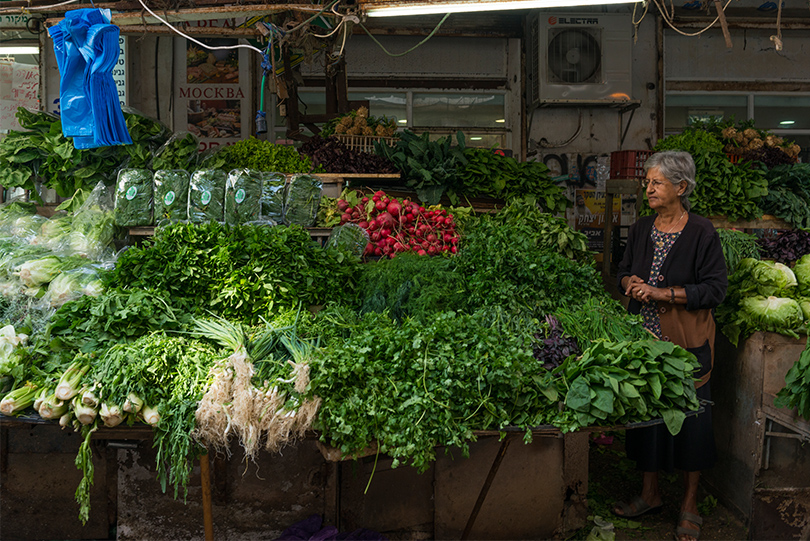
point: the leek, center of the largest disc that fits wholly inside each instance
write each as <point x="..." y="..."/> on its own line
<point x="69" y="383"/>
<point x="19" y="399"/>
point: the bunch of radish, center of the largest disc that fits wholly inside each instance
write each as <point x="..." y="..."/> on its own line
<point x="396" y="226"/>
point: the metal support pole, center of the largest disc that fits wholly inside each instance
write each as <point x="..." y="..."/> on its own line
<point x="488" y="483"/>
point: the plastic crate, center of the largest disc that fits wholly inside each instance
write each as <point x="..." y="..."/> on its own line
<point x="363" y="143"/>
<point x="628" y="163"/>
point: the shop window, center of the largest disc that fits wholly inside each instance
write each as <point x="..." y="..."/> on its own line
<point x="787" y="116"/>
<point x="481" y="110"/>
<point x="481" y="116"/>
<point x="782" y="112"/>
<point x="683" y="110"/>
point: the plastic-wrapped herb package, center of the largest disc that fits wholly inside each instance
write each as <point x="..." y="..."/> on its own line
<point x="206" y="195"/>
<point x="171" y="195"/>
<point x="303" y="199"/>
<point x="274" y="189"/>
<point x="243" y="193"/>
<point x="349" y="237"/>
<point x="133" y="198"/>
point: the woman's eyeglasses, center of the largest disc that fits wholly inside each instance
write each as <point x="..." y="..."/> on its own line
<point x="655" y="183"/>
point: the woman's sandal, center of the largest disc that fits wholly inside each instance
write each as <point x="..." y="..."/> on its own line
<point x="636" y="508"/>
<point x="684" y="530"/>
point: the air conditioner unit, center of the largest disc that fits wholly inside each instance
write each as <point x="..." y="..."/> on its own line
<point x="575" y="57"/>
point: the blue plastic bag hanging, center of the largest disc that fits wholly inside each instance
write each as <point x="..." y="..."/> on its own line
<point x="86" y="49"/>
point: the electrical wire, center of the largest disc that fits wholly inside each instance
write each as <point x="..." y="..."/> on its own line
<point x="668" y="18"/>
<point x="201" y="44"/>
<point x="412" y="48"/>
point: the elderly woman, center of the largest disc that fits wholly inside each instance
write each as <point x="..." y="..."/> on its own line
<point x="675" y="275"/>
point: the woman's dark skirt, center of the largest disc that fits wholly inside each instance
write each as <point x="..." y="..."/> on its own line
<point x="654" y="448"/>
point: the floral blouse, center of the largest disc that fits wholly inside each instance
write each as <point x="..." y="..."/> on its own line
<point x="662" y="242"/>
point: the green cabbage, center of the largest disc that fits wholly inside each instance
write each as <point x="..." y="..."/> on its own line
<point x="774" y="314"/>
<point x="766" y="278"/>
<point x="802" y="271"/>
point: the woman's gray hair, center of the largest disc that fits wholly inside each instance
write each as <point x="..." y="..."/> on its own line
<point x="676" y="166"/>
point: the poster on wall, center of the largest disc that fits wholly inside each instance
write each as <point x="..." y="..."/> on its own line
<point x="589" y="216"/>
<point x="19" y="87"/>
<point x="213" y="92"/>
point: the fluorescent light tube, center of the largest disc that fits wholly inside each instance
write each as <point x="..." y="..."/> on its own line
<point x="22" y="49"/>
<point x="434" y="8"/>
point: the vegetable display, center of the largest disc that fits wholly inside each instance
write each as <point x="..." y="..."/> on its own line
<point x="215" y="334"/>
<point x="786" y="247"/>
<point x="428" y="167"/>
<point x="487" y="173"/>
<point x="737" y="246"/>
<point x="333" y="156"/>
<point x="765" y="296"/>
<point x="259" y="155"/>
<point x="41" y="152"/>
<point x="789" y="194"/>
<point x="395" y="226"/>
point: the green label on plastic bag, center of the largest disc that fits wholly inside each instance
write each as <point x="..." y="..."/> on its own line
<point x="132" y="191"/>
<point x="168" y="199"/>
<point x="205" y="197"/>
<point x="239" y="195"/>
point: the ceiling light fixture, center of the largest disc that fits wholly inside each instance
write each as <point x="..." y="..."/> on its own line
<point x="476" y="138"/>
<point x="501" y="120"/>
<point x="787" y="122"/>
<point x="396" y="9"/>
<point x="402" y="121"/>
<point x="19" y="49"/>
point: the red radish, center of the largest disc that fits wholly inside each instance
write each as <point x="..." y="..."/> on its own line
<point x="346" y="217"/>
<point x="448" y="237"/>
<point x="373" y="225"/>
<point x="432" y="238"/>
<point x="363" y="224"/>
<point x="421" y="252"/>
<point x="453" y="249"/>
<point x="375" y="236"/>
<point x="394" y="208"/>
<point x="386" y="232"/>
<point x="364" y="200"/>
<point x="386" y="200"/>
<point x="431" y="250"/>
<point x="379" y="205"/>
<point x="342" y="205"/>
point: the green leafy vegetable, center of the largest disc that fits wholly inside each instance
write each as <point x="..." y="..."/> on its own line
<point x="133" y="198"/>
<point x="206" y="195"/>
